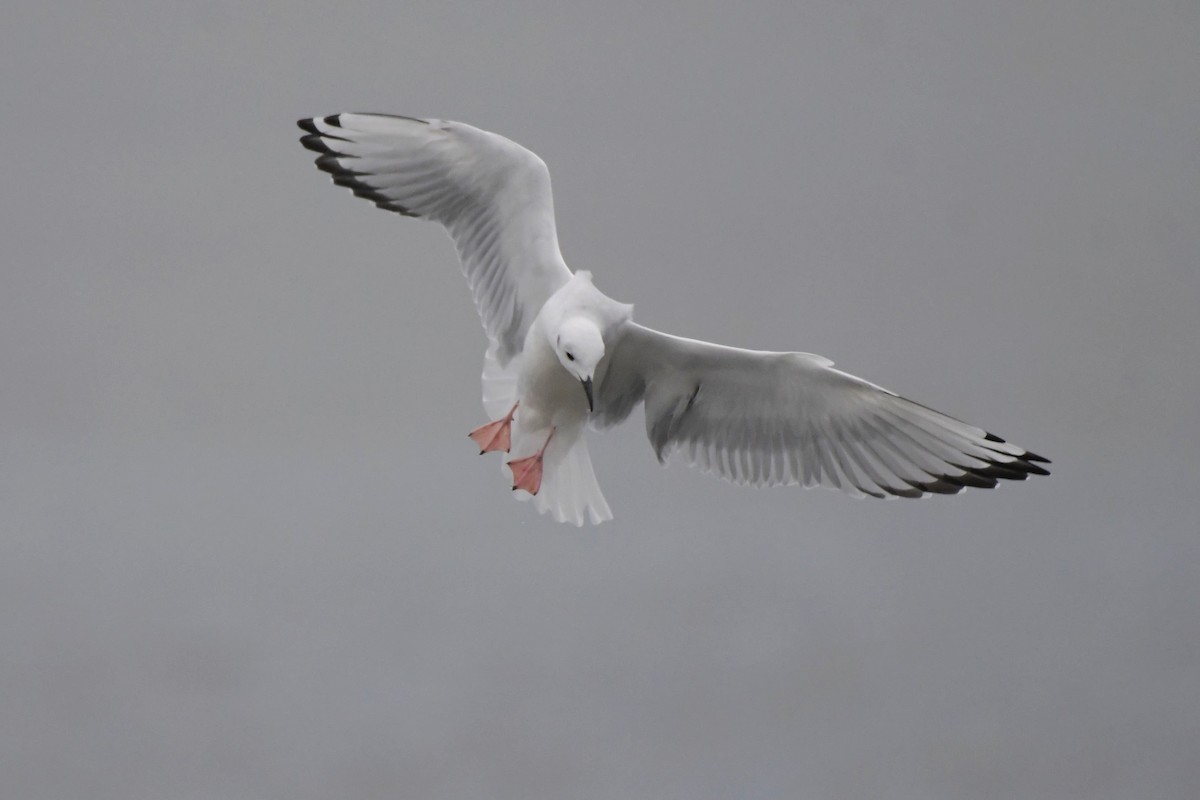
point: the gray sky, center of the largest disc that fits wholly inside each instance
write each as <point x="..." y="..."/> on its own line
<point x="248" y="551"/>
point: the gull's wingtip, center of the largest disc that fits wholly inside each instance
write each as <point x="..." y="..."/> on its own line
<point x="1025" y="455"/>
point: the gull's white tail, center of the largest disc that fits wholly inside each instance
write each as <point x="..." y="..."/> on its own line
<point x="569" y="491"/>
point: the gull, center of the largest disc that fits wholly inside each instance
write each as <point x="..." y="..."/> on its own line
<point x="563" y="356"/>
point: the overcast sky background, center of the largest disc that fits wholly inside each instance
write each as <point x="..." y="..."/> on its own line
<point x="248" y="551"/>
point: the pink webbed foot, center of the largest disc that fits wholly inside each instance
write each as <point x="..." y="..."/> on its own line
<point x="495" y="435"/>
<point x="527" y="472"/>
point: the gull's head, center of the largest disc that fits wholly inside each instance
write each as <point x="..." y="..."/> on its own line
<point x="580" y="346"/>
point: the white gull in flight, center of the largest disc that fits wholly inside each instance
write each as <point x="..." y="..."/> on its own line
<point x="562" y="354"/>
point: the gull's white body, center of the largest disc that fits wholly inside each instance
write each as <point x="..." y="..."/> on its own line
<point x="752" y="417"/>
<point x="550" y="399"/>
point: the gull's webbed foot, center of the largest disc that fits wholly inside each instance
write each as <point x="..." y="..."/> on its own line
<point x="527" y="472"/>
<point x="495" y="435"/>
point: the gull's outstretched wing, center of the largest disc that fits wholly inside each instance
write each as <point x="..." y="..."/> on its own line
<point x="491" y="194"/>
<point x="777" y="418"/>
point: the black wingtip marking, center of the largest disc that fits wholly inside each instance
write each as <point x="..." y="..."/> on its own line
<point x="320" y="140"/>
<point x="331" y="161"/>
<point x="971" y="478"/>
<point x="316" y="143"/>
<point x="936" y="486"/>
<point x="343" y="179"/>
<point x="320" y="144"/>
<point x="328" y="162"/>
<point x="1008" y="472"/>
<point x="388" y="205"/>
<point x="913" y="492"/>
<point x="985" y="477"/>
<point x="1025" y="456"/>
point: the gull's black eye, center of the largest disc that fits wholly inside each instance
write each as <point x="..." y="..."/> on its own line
<point x="570" y="357"/>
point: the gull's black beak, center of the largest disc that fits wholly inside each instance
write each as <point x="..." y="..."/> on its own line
<point x="587" y="389"/>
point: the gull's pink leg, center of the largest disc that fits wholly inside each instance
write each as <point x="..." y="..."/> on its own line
<point x="495" y="435"/>
<point x="527" y="472"/>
